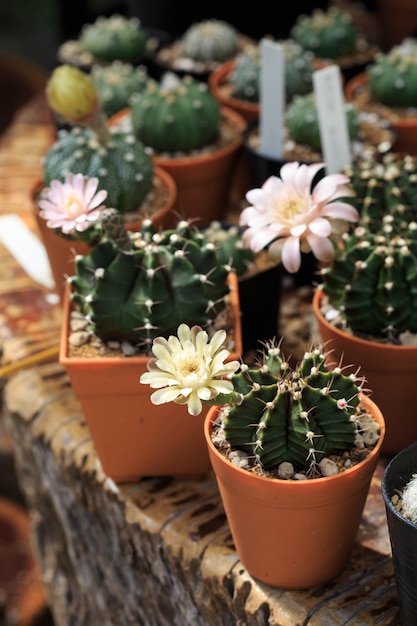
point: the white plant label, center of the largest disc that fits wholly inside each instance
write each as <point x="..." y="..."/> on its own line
<point x="272" y="99"/>
<point x="334" y="135"/>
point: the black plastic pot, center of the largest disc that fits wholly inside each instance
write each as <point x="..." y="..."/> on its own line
<point x="402" y="533"/>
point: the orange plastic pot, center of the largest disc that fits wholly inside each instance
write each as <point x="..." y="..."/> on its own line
<point x="391" y="374"/>
<point x="293" y="534"/>
<point x="405" y="127"/>
<point x="61" y="252"/>
<point x="133" y="437"/>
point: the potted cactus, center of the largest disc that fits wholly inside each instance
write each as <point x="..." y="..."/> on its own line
<point x="332" y="34"/>
<point x="388" y="86"/>
<point x="399" y="491"/>
<point x="202" y="47"/>
<point x="364" y="302"/>
<point x="118" y="161"/>
<point x="132" y="286"/>
<point x="271" y="430"/>
<point x="193" y="138"/>
<point x="116" y="83"/>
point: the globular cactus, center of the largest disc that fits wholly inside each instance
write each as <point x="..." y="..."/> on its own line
<point x="178" y="114"/>
<point x="392" y="77"/>
<point x="136" y="286"/>
<point x="116" y="83"/>
<point x="409" y="499"/>
<point x="121" y="163"/>
<point x="293" y="414"/>
<point x="210" y="40"/>
<point x="298" y="68"/>
<point x="229" y="244"/>
<point x="114" y="37"/>
<point x="373" y="279"/>
<point x="328" y="34"/>
<point x="302" y="121"/>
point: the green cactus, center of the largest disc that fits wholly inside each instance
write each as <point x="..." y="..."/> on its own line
<point x="229" y="245"/>
<point x="299" y="68"/>
<point x="373" y="278"/>
<point x="116" y="83"/>
<point x="302" y="122"/>
<point x="114" y="37"/>
<point x="328" y="34"/>
<point x="392" y="77"/>
<point x="210" y="40"/>
<point x="136" y="286"/>
<point x="297" y="415"/>
<point x="179" y="114"/>
<point x="121" y="163"/>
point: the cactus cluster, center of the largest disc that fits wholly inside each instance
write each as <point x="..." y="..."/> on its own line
<point x="299" y="68"/>
<point x="114" y="38"/>
<point x="177" y="114"/>
<point x="294" y="415"/>
<point x="210" y="40"/>
<point x="302" y="121"/>
<point x="328" y="34"/>
<point x="392" y="77"/>
<point x="116" y="83"/>
<point x="373" y="278"/>
<point x="121" y="163"/>
<point x="139" y="285"/>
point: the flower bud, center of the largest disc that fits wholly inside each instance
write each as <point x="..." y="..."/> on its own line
<point x="71" y="93"/>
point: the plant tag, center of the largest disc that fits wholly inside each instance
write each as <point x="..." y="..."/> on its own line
<point x="26" y="248"/>
<point x="272" y="98"/>
<point x="334" y="133"/>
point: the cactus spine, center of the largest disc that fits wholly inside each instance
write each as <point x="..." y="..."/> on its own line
<point x="296" y="415"/>
<point x="180" y="114"/>
<point x="136" y="286"/>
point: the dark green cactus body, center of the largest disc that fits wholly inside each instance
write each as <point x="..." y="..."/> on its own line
<point x="135" y="287"/>
<point x="302" y="121"/>
<point x="210" y="40"/>
<point x="328" y="34"/>
<point x="295" y="415"/>
<point x="229" y="246"/>
<point x="392" y="77"/>
<point x="116" y="83"/>
<point x="114" y="37"/>
<point x="122" y="164"/>
<point x="373" y="279"/>
<point x="178" y="115"/>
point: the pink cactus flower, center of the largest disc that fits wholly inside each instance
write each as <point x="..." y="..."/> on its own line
<point x="289" y="216"/>
<point x="73" y="205"/>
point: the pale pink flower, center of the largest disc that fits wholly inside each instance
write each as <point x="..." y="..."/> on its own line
<point x="72" y="205"/>
<point x="290" y="216"/>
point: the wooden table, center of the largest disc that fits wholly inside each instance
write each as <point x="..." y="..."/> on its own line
<point x="156" y="552"/>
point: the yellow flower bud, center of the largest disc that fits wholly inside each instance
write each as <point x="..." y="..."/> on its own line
<point x="71" y="93"/>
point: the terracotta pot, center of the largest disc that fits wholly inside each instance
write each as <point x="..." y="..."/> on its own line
<point x="405" y="127"/>
<point x="61" y="252"/>
<point x="390" y="372"/>
<point x="293" y="534"/>
<point x="133" y="437"/>
<point x="217" y="81"/>
<point x="402" y="532"/>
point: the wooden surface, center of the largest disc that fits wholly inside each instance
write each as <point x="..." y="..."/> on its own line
<point x="157" y="551"/>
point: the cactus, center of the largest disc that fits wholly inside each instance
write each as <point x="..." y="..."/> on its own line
<point x="373" y="278"/>
<point x="114" y="37"/>
<point x="299" y="68"/>
<point x="328" y="34"/>
<point x="122" y="164"/>
<point x="392" y="77"/>
<point x="302" y="121"/>
<point x="135" y="286"/>
<point x="229" y="245"/>
<point x="180" y="114"/>
<point x="116" y="83"/>
<point x="292" y="414"/>
<point x="408" y="499"/>
<point x="210" y="40"/>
